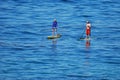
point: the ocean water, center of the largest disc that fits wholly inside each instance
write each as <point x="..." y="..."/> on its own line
<point x="27" y="54"/>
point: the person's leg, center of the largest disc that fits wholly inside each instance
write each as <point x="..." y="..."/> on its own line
<point x="53" y="31"/>
<point x="87" y="36"/>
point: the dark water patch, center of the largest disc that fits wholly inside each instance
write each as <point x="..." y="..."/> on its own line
<point x="117" y="12"/>
<point x="9" y="62"/>
<point x="6" y="8"/>
<point x="68" y="1"/>
<point x="109" y="59"/>
<point x="21" y="1"/>
<point x="26" y="39"/>
<point x="104" y="79"/>
<point x="9" y="44"/>
<point x="79" y="76"/>
<point x="109" y="2"/>
<point x="15" y="46"/>
<point x="5" y="17"/>
<point x="108" y="56"/>
<point x="10" y="27"/>
<point x="29" y="33"/>
<point x="86" y="16"/>
<point x="18" y="48"/>
<point x="116" y="49"/>
<point x="36" y="62"/>
<point x="26" y="25"/>
<point x="112" y="62"/>
<point x="9" y="33"/>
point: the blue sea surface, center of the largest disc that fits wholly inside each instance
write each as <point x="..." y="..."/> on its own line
<point x="27" y="54"/>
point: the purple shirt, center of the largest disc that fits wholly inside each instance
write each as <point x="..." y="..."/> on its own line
<point x="54" y="24"/>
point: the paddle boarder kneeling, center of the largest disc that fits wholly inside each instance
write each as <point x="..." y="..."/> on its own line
<point x="54" y="27"/>
<point x="88" y="29"/>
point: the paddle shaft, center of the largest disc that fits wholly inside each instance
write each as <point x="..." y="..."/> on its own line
<point x="82" y="33"/>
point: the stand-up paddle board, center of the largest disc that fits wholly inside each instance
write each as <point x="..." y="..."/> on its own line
<point x="85" y="39"/>
<point x="54" y="37"/>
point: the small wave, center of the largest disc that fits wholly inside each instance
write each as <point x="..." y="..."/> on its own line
<point x="68" y="1"/>
<point x="29" y="33"/>
<point x="24" y="38"/>
<point x="17" y="48"/>
<point x="35" y="62"/>
<point x="79" y="76"/>
<point x="108" y="2"/>
<point x="86" y="16"/>
<point x="112" y="62"/>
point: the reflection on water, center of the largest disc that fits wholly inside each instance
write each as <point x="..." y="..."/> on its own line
<point x="54" y="47"/>
<point x="87" y="54"/>
<point x="87" y="44"/>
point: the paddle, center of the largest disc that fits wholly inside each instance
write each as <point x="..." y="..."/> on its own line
<point x="81" y="37"/>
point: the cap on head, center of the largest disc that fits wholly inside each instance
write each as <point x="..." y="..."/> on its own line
<point x="87" y="21"/>
<point x="55" y="20"/>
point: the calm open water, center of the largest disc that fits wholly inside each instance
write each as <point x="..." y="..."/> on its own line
<point x="26" y="54"/>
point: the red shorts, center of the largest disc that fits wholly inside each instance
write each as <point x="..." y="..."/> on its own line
<point x="87" y="32"/>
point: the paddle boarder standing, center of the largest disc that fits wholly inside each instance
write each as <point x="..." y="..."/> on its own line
<point x="54" y="27"/>
<point x="88" y="29"/>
